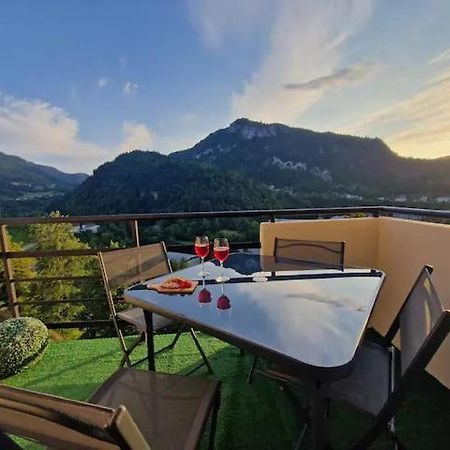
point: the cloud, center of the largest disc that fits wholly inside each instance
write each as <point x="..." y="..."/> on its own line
<point x="441" y="57"/>
<point x="102" y="82"/>
<point x="419" y="125"/>
<point x="306" y="41"/>
<point x="136" y="136"/>
<point x="129" y="87"/>
<point x="338" y="78"/>
<point x="189" y="118"/>
<point x="217" y="20"/>
<point x="44" y="133"/>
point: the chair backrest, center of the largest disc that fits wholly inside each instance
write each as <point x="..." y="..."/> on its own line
<point x="322" y="253"/>
<point x="61" y="423"/>
<point x="422" y="322"/>
<point x="126" y="266"/>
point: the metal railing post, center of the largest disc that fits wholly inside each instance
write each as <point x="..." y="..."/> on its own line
<point x="8" y="274"/>
<point x="135" y="232"/>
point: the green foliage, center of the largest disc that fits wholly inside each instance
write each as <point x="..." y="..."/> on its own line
<point x="58" y="236"/>
<point x="22" y="342"/>
<point x="138" y="182"/>
<point x="179" y="264"/>
<point x="326" y="162"/>
<point x="22" y="267"/>
<point x="58" y="300"/>
<point x="52" y="296"/>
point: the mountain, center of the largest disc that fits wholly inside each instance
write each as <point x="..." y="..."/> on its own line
<point x="142" y="182"/>
<point x="252" y="165"/>
<point x="308" y="161"/>
<point x="26" y="187"/>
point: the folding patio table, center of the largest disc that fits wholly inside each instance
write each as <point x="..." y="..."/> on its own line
<point x="309" y="320"/>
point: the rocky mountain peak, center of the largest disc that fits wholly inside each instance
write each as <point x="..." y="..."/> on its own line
<point x="249" y="129"/>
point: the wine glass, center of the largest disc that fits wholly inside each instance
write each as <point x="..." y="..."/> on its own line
<point x="221" y="252"/>
<point x="201" y="247"/>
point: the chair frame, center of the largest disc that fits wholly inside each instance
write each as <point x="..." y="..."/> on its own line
<point x="108" y="432"/>
<point x="143" y="335"/>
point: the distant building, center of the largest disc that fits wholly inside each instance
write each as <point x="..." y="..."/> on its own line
<point x="443" y="199"/>
<point x="352" y="197"/>
<point x="400" y="198"/>
<point x="86" y="228"/>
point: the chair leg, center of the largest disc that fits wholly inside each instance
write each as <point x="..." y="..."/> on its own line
<point x="298" y="443"/>
<point x="393" y="435"/>
<point x="142" y="338"/>
<point x="397" y="444"/>
<point x="392" y="432"/>
<point x="125" y="358"/>
<point x="364" y="441"/>
<point x="200" y="350"/>
<point x="172" y="344"/>
<point x="212" y="432"/>
<point x="252" y="370"/>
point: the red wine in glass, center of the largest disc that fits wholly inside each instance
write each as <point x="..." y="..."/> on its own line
<point x="201" y="248"/>
<point x="221" y="252"/>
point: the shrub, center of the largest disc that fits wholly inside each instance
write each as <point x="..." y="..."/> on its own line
<point x="22" y="342"/>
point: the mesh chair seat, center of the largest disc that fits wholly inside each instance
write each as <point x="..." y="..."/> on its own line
<point x="169" y="410"/>
<point x="133" y="409"/>
<point x="135" y="316"/>
<point x="367" y="387"/>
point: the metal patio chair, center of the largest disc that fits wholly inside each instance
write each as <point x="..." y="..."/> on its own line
<point x="125" y="267"/>
<point x="382" y="375"/>
<point x="132" y="410"/>
<point x="308" y="255"/>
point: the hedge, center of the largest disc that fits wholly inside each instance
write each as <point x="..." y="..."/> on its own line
<point x="22" y="343"/>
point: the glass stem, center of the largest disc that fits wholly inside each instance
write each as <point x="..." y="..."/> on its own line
<point x="221" y="269"/>
<point x="203" y="266"/>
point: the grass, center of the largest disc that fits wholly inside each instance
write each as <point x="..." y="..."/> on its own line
<point x="256" y="416"/>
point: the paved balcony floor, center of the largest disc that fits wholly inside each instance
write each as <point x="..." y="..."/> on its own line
<point x="256" y="416"/>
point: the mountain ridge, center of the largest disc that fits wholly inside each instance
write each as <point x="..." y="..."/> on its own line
<point x="145" y="181"/>
<point x="306" y="160"/>
<point x="26" y="187"/>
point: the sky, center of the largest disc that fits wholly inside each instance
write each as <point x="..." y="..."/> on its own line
<point x="82" y="81"/>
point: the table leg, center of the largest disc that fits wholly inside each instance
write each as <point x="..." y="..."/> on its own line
<point x="150" y="342"/>
<point x="318" y="419"/>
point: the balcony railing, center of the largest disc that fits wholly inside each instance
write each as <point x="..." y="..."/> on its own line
<point x="136" y="220"/>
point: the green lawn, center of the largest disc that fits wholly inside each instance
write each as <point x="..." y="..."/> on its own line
<point x="256" y="416"/>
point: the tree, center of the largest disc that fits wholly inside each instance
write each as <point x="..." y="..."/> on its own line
<point x="22" y="268"/>
<point x="53" y="295"/>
